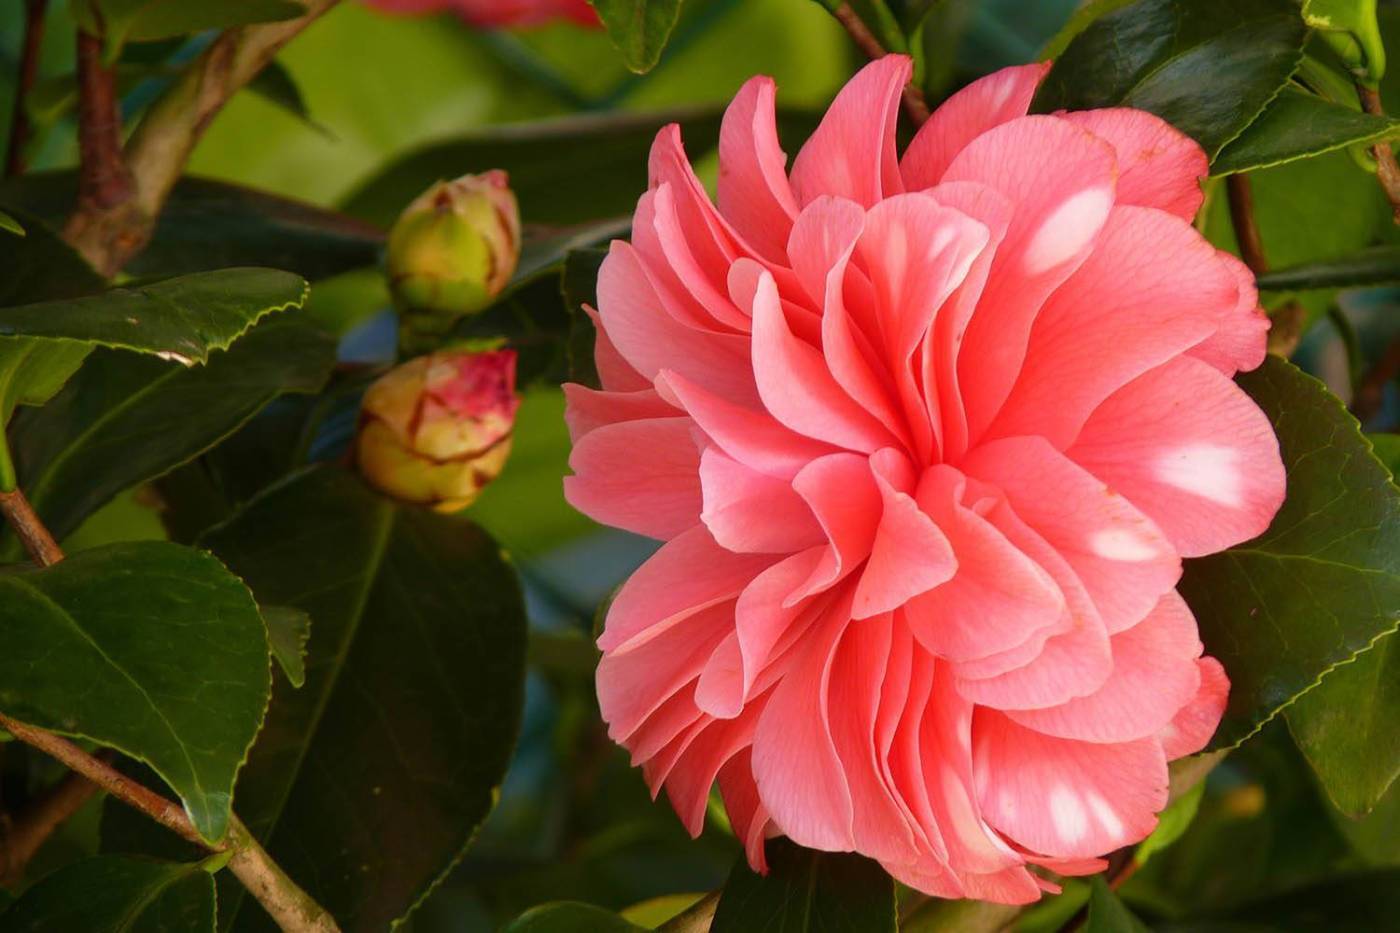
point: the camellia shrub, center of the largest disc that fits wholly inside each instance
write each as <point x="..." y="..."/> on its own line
<point x="946" y="449"/>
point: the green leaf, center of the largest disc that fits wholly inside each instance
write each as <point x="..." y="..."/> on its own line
<point x="807" y="891"/>
<point x="32" y="371"/>
<point x="1323" y="583"/>
<point x="9" y="225"/>
<point x="208" y="225"/>
<point x="1107" y="913"/>
<point x="580" y="286"/>
<point x="127" y="418"/>
<point x="368" y="782"/>
<point x="1206" y="67"/>
<point x="1378" y="265"/>
<point x="640" y="30"/>
<point x="1350" y="27"/>
<point x="570" y="917"/>
<point x="40" y="266"/>
<point x="1084" y="14"/>
<point x="541" y="255"/>
<point x="276" y="85"/>
<point x="150" y="20"/>
<point x="288" y="631"/>
<point x="1298" y="125"/>
<point x="1171" y="823"/>
<point x="1348" y="728"/>
<point x="605" y="169"/>
<point x="1358" y="902"/>
<point x="183" y="318"/>
<point x="117" y="894"/>
<point x="148" y="647"/>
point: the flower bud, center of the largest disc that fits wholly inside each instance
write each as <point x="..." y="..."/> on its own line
<point x="437" y="429"/>
<point x="453" y="249"/>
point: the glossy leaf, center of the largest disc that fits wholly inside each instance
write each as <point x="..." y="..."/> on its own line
<point x="1323" y="583"/>
<point x="1378" y="265"/>
<point x="1350" y="27"/>
<point x="1084" y="14"/>
<point x="605" y="171"/>
<point x="807" y="891"/>
<point x="39" y="266"/>
<point x="288" y="631"/>
<point x="117" y="894"/>
<point x="639" y="30"/>
<point x="1208" y="68"/>
<point x="570" y="917"/>
<point x="183" y="318"/>
<point x="1298" y="125"/>
<point x="368" y="782"/>
<point x="127" y="418"/>
<point x="148" y="647"/>
<point x="208" y="224"/>
<point x="1348" y="727"/>
<point x="1107" y="914"/>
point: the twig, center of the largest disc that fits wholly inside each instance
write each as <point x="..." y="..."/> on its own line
<point x="110" y="235"/>
<point x="1387" y="171"/>
<point x="20" y="130"/>
<point x="31" y="531"/>
<point x="694" y="919"/>
<point x="1246" y="227"/>
<point x="289" y="905"/>
<point x="914" y="103"/>
<point x="103" y="179"/>
<point x="37" y="822"/>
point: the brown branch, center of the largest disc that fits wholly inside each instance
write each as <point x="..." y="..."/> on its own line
<point x="110" y="235"/>
<point x="20" y="130"/>
<point x="103" y="179"/>
<point x="31" y="531"/>
<point x="289" y="905"/>
<point x="1387" y="171"/>
<point x="914" y="103"/>
<point x="36" y="823"/>
<point x="1246" y="227"/>
<point x="1370" y="391"/>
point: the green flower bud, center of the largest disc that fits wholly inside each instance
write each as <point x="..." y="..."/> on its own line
<point x="435" y="430"/>
<point x="453" y="250"/>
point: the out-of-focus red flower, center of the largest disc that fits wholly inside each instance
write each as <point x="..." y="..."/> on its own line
<point x="492" y="14"/>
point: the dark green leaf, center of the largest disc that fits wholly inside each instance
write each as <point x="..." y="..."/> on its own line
<point x="288" y="631"/>
<point x="127" y="418"/>
<point x="1107" y="913"/>
<point x="368" y="782"/>
<point x="1349" y="728"/>
<point x="570" y="917"/>
<point x="182" y="318"/>
<point x="1084" y="14"/>
<point x="1323" y="583"/>
<point x="580" y="288"/>
<point x="541" y="255"/>
<point x="639" y="30"/>
<point x="1298" y="125"/>
<point x="208" y="225"/>
<point x="807" y="892"/>
<point x="1378" y="265"/>
<point x="1206" y="67"/>
<point x="40" y="266"/>
<point x="604" y="172"/>
<point x="1363" y="902"/>
<point x="149" y="647"/>
<point x="32" y="371"/>
<point x="276" y="85"/>
<point x="117" y="894"/>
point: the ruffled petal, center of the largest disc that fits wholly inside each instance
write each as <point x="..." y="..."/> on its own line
<point x="1193" y="726"/>
<point x="1158" y="165"/>
<point x="747" y="510"/>
<point x="638" y="475"/>
<point x="753" y="190"/>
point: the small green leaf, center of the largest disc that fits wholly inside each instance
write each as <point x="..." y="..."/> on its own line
<point x="1378" y="265"/>
<point x="1298" y="125"/>
<point x="1323" y="583"/>
<point x="640" y="30"/>
<point x="126" y="418"/>
<point x="182" y="318"/>
<point x="148" y="647"/>
<point x="288" y="631"/>
<point x="1350" y="27"/>
<point x="1348" y="728"/>
<point x="569" y="917"/>
<point x="117" y="894"/>
<point x="807" y="891"/>
<point x="9" y="225"/>
<point x="276" y="85"/>
<point x="1206" y="67"/>
<point x="1107" y="913"/>
<point x="1171" y="823"/>
<point x="368" y="782"/>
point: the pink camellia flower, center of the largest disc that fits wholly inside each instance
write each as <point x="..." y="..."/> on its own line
<point x="491" y="14"/>
<point x="926" y="439"/>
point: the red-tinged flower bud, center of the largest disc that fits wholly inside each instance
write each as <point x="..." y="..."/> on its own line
<point x="452" y="250"/>
<point x="435" y="430"/>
